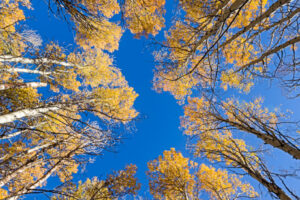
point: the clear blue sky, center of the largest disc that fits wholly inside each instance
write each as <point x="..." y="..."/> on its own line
<point x="158" y="128"/>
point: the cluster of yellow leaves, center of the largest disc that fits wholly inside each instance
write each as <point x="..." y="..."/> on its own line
<point x="66" y="170"/>
<point x="54" y="51"/>
<point x="239" y="52"/>
<point x="55" y="123"/>
<point x="43" y="150"/>
<point x="179" y="88"/>
<point x="166" y="79"/>
<point x="11" y="16"/>
<point x="93" y="67"/>
<point x="176" y="80"/>
<point x="230" y="78"/>
<point x="7" y="77"/>
<point x="106" y="7"/>
<point x="123" y="181"/>
<point x="183" y="52"/>
<point x="214" y="143"/>
<point x="173" y="176"/>
<point x="3" y="193"/>
<point x="18" y="98"/>
<point x="27" y="177"/>
<point x="248" y="13"/>
<point x="90" y="188"/>
<point x="199" y="114"/>
<point x="195" y="114"/>
<point x="68" y="79"/>
<point x="63" y="77"/>
<point x="198" y="11"/>
<point x="244" y="112"/>
<point x="115" y="103"/>
<point x="31" y="174"/>
<point x="222" y="185"/>
<point x="170" y="176"/>
<point x="104" y="36"/>
<point x="179" y="37"/>
<point x="144" y="17"/>
<point x="116" y="185"/>
<point x="221" y="146"/>
<point x="98" y="70"/>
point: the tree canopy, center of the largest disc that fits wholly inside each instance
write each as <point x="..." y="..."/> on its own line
<point x="62" y="106"/>
<point x="48" y="98"/>
<point x="213" y="54"/>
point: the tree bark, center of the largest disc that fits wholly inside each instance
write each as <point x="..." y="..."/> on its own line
<point x="22" y="60"/>
<point x="28" y="71"/>
<point x="272" y="187"/>
<point x="263" y="16"/>
<point x="268" y="139"/>
<point x="6" y="86"/>
<point x="269" y="52"/>
<point x="30" y="112"/>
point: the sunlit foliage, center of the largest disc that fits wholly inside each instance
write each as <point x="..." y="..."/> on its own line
<point x="48" y="95"/>
<point x="173" y="176"/>
<point x="213" y="55"/>
<point x="116" y="185"/>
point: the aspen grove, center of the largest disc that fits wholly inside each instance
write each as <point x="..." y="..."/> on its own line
<point x="62" y="106"/>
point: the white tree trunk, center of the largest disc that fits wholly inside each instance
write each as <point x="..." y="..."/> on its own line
<point x="28" y="71"/>
<point x="13" y="59"/>
<point x="22" y="85"/>
<point x="5" y="137"/>
<point x="7" y="178"/>
<point x="11" y="117"/>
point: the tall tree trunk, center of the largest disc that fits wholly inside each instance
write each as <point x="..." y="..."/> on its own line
<point x="265" y="15"/>
<point x="30" y="112"/>
<point x="269" y="52"/>
<point x="22" y="60"/>
<point x="6" y="86"/>
<point x="270" y="139"/>
<point x="28" y="71"/>
<point x="271" y="186"/>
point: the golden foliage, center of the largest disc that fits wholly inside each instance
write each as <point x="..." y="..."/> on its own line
<point x="170" y="176"/>
<point x="144" y="17"/>
<point x="116" y="185"/>
<point x="49" y="142"/>
<point x="173" y="176"/>
<point x="222" y="185"/>
<point x="104" y="36"/>
<point x="107" y="7"/>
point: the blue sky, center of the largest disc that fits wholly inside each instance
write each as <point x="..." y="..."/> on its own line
<point x="158" y="127"/>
